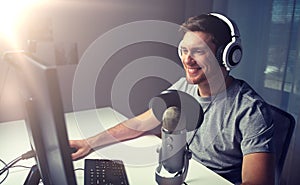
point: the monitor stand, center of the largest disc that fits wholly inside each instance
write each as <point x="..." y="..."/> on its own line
<point x="33" y="177"/>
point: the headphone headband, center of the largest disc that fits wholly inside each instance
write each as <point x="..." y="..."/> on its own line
<point x="233" y="28"/>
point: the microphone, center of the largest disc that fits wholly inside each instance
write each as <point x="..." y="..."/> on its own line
<point x="179" y="113"/>
<point x="173" y="134"/>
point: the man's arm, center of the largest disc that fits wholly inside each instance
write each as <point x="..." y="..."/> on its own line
<point x="128" y="129"/>
<point x="258" y="169"/>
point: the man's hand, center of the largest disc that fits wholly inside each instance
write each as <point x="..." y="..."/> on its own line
<point x="82" y="146"/>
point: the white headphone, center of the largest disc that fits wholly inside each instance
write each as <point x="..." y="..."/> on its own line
<point x="229" y="55"/>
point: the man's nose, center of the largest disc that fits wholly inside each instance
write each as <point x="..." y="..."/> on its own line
<point x="188" y="59"/>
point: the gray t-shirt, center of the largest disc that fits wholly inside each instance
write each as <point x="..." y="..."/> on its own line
<point x="237" y="123"/>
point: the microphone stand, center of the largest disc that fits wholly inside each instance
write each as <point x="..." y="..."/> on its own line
<point x="179" y="177"/>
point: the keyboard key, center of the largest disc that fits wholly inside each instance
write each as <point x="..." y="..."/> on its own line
<point x="104" y="172"/>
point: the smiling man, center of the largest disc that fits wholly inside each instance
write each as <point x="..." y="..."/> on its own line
<point x="235" y="138"/>
<point x="197" y="55"/>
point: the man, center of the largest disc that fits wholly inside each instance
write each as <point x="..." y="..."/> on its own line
<point x="235" y="138"/>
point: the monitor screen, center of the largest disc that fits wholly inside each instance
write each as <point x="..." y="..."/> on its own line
<point x="44" y="117"/>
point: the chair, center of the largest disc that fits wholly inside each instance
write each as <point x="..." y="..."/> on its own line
<point x="284" y="124"/>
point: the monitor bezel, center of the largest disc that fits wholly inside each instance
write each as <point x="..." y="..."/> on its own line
<point x="44" y="118"/>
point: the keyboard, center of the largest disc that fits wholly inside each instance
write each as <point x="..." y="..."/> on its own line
<point x="104" y="172"/>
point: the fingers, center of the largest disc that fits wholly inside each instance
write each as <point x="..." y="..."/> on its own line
<point x="77" y="154"/>
<point x="82" y="148"/>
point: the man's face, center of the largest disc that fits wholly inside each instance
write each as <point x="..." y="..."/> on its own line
<point x="198" y="56"/>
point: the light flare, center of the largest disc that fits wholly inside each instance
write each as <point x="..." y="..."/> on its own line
<point x="11" y="12"/>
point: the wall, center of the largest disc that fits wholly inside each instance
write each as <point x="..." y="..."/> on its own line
<point x="64" y="30"/>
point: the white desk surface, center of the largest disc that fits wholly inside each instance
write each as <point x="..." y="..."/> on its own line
<point x="139" y="155"/>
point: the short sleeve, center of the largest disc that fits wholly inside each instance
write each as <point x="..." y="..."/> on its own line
<point x="257" y="129"/>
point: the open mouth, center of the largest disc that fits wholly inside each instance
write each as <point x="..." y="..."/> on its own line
<point x="193" y="70"/>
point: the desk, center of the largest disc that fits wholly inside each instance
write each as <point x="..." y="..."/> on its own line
<point x="139" y="155"/>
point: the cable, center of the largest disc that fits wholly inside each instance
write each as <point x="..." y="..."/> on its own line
<point x="79" y="169"/>
<point x="10" y="164"/>
<point x="1" y="171"/>
<point x="15" y="166"/>
<point x="26" y="155"/>
<point x="208" y="107"/>
<point x="21" y="166"/>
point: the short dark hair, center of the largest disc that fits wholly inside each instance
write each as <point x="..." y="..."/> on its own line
<point x="219" y="30"/>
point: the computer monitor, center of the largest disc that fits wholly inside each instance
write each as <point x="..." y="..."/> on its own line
<point x="44" y="117"/>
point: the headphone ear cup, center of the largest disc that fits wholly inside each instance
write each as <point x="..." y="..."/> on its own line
<point x="179" y="51"/>
<point x="232" y="54"/>
<point x="219" y="55"/>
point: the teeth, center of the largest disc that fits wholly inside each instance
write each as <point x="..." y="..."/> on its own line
<point x="192" y="70"/>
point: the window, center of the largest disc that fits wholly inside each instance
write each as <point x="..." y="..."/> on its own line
<point x="283" y="55"/>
